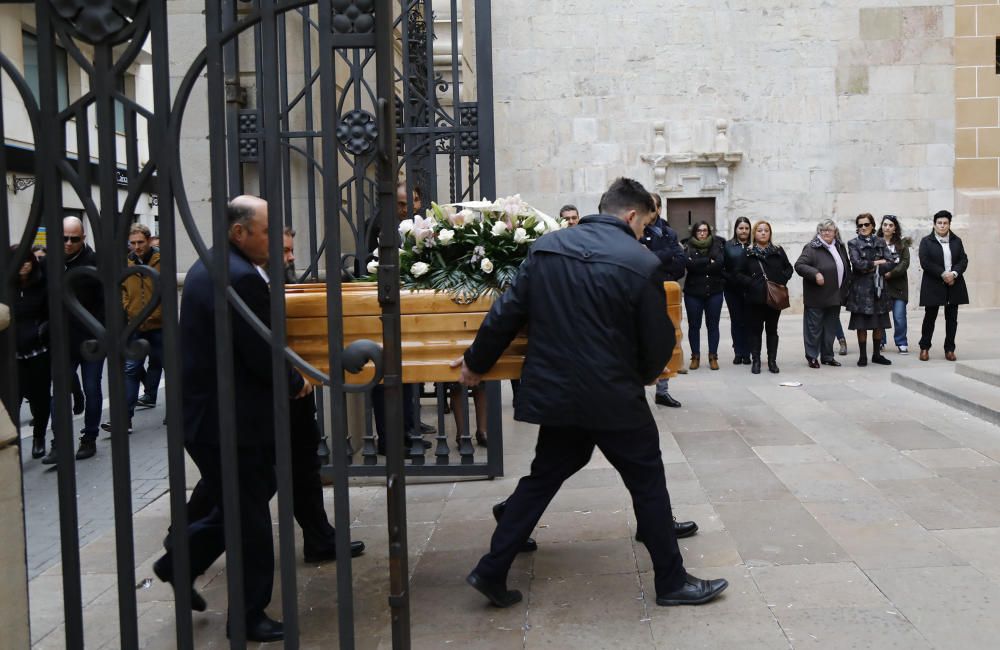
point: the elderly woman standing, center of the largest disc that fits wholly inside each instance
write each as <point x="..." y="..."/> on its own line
<point x="825" y="270"/>
<point x="867" y="298"/>
<point x="736" y="258"/>
<point x="765" y="262"/>
<point x="944" y="261"/>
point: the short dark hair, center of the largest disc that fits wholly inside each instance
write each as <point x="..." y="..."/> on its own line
<point x="567" y="208"/>
<point x="942" y="214"/>
<point x="866" y="216"/>
<point x="626" y="194"/>
<point x="289" y="231"/>
<point x="239" y="213"/>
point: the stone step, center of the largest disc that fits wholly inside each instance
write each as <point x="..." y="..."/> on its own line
<point x="986" y="370"/>
<point x="978" y="398"/>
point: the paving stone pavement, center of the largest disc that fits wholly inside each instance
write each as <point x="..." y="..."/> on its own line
<point x="846" y="513"/>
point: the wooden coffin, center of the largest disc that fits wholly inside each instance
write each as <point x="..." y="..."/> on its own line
<point x="435" y="330"/>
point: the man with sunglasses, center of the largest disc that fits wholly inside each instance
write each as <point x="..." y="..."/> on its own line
<point x="88" y="291"/>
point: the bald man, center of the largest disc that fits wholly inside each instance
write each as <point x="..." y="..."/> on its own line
<point x="247" y="248"/>
<point x="88" y="290"/>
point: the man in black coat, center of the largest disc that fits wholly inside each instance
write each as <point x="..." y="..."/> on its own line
<point x="662" y="241"/>
<point x="247" y="247"/>
<point x="944" y="261"/>
<point x="587" y="390"/>
<point x="89" y="292"/>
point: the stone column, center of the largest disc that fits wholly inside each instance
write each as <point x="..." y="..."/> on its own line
<point x="13" y="563"/>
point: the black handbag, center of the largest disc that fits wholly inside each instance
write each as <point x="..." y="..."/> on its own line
<point x="776" y="294"/>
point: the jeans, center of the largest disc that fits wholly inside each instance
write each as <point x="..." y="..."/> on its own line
<point x="711" y="308"/>
<point x="662" y="386"/>
<point x="819" y="328"/>
<point x="950" y="327"/>
<point x="134" y="369"/>
<point x="738" y="326"/>
<point x="93" y="373"/>
<point x="899" y="323"/>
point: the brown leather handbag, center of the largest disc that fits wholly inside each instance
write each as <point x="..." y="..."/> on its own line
<point x="777" y="294"/>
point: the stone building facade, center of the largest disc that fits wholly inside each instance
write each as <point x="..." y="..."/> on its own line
<point x="790" y="111"/>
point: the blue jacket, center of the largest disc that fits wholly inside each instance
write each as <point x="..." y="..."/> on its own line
<point x="598" y="330"/>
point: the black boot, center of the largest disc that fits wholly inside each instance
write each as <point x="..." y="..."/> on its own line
<point x="755" y="363"/>
<point x="38" y="447"/>
<point x="772" y="353"/>
<point x="878" y="358"/>
<point x="772" y="366"/>
<point x="862" y="353"/>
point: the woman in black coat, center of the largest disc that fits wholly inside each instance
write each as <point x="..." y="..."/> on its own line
<point x="704" y="260"/>
<point x="825" y="270"/>
<point x="736" y="258"/>
<point x="943" y="258"/>
<point x="765" y="261"/>
<point x="31" y="319"/>
<point x="868" y="299"/>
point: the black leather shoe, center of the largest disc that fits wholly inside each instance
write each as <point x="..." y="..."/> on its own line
<point x="37" y="447"/>
<point x="813" y="362"/>
<point x="426" y="428"/>
<point x="51" y="458"/>
<point x="163" y="572"/>
<point x="694" y="591"/>
<point x="772" y="366"/>
<point x="88" y="447"/>
<point x="316" y="556"/>
<point x="755" y="366"/>
<point x="665" y="399"/>
<point x="682" y="529"/>
<point x="497" y="593"/>
<point x="831" y="362"/>
<point x="530" y="545"/>
<point x="263" y="630"/>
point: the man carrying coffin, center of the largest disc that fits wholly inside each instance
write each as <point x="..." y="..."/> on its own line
<point x="587" y="390"/>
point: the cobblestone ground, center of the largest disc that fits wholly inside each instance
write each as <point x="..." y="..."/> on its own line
<point x="846" y="513"/>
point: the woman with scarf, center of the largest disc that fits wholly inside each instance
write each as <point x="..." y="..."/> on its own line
<point x="705" y="259"/>
<point x="943" y="258"/>
<point x="31" y="318"/>
<point x="765" y="262"/>
<point x="736" y="258"/>
<point x="896" y="282"/>
<point x="825" y="271"/>
<point x="867" y="298"/>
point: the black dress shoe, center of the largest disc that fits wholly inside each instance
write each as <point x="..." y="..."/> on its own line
<point x="263" y="630"/>
<point x="682" y="529"/>
<point x="755" y="366"/>
<point x="162" y="570"/>
<point x="496" y="592"/>
<point x="664" y="399"/>
<point x="88" y="447"/>
<point x="694" y="591"/>
<point x="426" y="428"/>
<point x="813" y="362"/>
<point x="831" y="362"/>
<point x="530" y="545"/>
<point x="772" y="366"/>
<point x="38" y="447"/>
<point x="316" y="556"/>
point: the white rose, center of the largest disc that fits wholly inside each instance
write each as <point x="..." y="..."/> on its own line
<point x="499" y="228"/>
<point x="373" y="266"/>
<point x="540" y="227"/>
<point x="419" y="268"/>
<point x="445" y="236"/>
<point x="486" y="265"/>
<point x="520" y="236"/>
<point x="405" y="226"/>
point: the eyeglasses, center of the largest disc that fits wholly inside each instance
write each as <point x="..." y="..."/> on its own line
<point x="75" y="240"/>
<point x="701" y="230"/>
<point x="866" y="225"/>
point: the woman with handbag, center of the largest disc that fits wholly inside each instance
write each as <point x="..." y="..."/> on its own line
<point x="868" y="298"/>
<point x="705" y="259"/>
<point x="766" y="272"/>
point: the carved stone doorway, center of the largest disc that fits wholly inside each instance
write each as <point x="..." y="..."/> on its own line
<point x="683" y="213"/>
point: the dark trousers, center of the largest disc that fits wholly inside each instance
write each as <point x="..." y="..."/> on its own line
<point x="206" y="534"/>
<point x="34" y="376"/>
<point x="709" y="307"/>
<point x="93" y="372"/>
<point x="410" y="394"/>
<point x="738" y="321"/>
<point x="560" y="453"/>
<point x="763" y="318"/>
<point x="307" y="487"/>
<point x="950" y="326"/>
<point x="819" y="329"/>
<point x="135" y="372"/>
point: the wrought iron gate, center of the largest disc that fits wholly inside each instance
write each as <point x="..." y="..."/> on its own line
<point x="273" y="144"/>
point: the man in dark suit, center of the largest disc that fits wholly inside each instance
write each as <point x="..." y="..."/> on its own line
<point x="247" y="247"/>
<point x="587" y="390"/>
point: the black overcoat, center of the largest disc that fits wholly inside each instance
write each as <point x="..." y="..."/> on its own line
<point x="816" y="258"/>
<point x="862" y="297"/>
<point x="933" y="290"/>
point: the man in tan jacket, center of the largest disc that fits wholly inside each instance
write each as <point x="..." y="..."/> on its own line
<point x="137" y="292"/>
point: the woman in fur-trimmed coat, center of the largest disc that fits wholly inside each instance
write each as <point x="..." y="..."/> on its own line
<point x="868" y="299"/>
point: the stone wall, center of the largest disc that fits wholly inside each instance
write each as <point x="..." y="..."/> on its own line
<point x="838" y="108"/>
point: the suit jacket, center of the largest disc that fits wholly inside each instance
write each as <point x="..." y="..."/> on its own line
<point x="251" y="357"/>
<point x="933" y="290"/>
<point x="598" y="328"/>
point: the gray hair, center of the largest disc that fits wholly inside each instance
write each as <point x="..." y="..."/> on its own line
<point x="827" y="224"/>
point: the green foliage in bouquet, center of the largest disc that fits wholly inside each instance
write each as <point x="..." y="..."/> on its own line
<point x="468" y="249"/>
